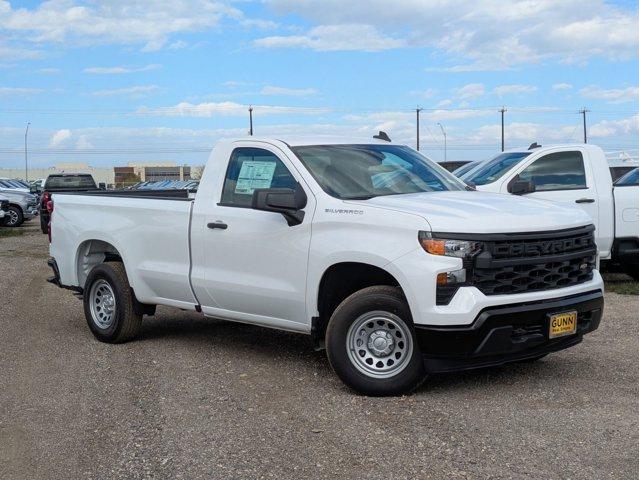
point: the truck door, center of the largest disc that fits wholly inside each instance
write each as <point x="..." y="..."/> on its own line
<point x="254" y="263"/>
<point x="563" y="177"/>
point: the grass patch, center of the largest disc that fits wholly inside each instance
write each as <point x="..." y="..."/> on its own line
<point x="623" y="288"/>
<point x="11" y="232"/>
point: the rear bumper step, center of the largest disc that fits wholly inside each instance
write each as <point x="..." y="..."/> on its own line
<point x="55" y="279"/>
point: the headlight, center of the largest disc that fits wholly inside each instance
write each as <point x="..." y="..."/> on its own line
<point x="446" y="247"/>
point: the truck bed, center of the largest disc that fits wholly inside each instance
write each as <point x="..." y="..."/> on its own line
<point x="155" y="194"/>
<point x="148" y="230"/>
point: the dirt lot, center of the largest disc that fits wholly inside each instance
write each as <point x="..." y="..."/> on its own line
<point x="199" y="398"/>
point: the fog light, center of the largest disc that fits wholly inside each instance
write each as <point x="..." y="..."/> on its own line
<point x="447" y="285"/>
<point x="448" y="278"/>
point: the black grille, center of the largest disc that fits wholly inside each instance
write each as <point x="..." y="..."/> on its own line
<point x="519" y="263"/>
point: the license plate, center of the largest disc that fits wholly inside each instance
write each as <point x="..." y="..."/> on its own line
<point x="562" y="324"/>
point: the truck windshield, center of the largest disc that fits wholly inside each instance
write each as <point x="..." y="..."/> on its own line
<point x="494" y="169"/>
<point x="630" y="178"/>
<point x="75" y="181"/>
<point x="367" y="171"/>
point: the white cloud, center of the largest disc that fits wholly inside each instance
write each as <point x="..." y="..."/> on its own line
<point x="470" y="91"/>
<point x="615" y="95"/>
<point x="59" y="137"/>
<point x="291" y="92"/>
<point x="135" y="91"/>
<point x="491" y="34"/>
<point x="209" y="109"/>
<point x="122" y="22"/>
<point x="15" y="91"/>
<point x="326" y="38"/>
<point x="562" y="86"/>
<point x="49" y="71"/>
<point x="178" y="45"/>
<point x="120" y="69"/>
<point x="428" y="93"/>
<point x="83" y="143"/>
<point x="610" y="128"/>
<point x="514" y="89"/>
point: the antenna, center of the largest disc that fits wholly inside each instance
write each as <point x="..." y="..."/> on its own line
<point x="382" y="136"/>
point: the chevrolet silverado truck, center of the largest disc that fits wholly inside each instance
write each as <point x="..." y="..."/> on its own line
<point x="577" y="175"/>
<point x="385" y="259"/>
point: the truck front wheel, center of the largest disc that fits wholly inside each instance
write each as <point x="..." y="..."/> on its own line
<point x="371" y="344"/>
<point x="108" y="304"/>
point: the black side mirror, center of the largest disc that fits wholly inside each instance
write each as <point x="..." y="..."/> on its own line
<point x="287" y="201"/>
<point x="521" y="187"/>
<point x="33" y="189"/>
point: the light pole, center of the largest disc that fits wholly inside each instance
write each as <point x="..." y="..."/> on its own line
<point x="26" y="164"/>
<point x="445" y="146"/>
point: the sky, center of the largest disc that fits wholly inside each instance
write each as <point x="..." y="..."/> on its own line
<point x="124" y="81"/>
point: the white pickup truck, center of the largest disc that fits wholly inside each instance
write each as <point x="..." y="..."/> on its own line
<point x="383" y="257"/>
<point x="577" y="175"/>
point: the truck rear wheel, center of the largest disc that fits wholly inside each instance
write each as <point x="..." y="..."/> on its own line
<point x="371" y="344"/>
<point x="109" y="304"/>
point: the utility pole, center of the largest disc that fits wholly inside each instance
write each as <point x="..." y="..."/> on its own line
<point x="445" y="146"/>
<point x="417" y="110"/>
<point x="503" y="143"/>
<point x="26" y="163"/>
<point x="583" y="112"/>
<point x="251" y="120"/>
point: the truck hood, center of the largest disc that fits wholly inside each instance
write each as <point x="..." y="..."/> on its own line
<point x="480" y="212"/>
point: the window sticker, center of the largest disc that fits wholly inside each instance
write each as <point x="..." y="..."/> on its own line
<point x="254" y="175"/>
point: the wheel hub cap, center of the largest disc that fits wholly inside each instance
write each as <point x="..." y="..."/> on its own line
<point x="381" y="343"/>
<point x="102" y="303"/>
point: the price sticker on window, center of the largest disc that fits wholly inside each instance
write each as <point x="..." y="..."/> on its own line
<point x="254" y="175"/>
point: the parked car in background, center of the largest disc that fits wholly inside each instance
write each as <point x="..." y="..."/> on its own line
<point x="62" y="182"/>
<point x="459" y="172"/>
<point x="577" y="175"/>
<point x="387" y="260"/>
<point x="10" y="184"/>
<point x="630" y="179"/>
<point x="4" y="209"/>
<point x="22" y="205"/>
<point x="451" y="165"/>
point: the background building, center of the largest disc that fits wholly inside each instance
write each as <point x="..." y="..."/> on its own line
<point x="100" y="175"/>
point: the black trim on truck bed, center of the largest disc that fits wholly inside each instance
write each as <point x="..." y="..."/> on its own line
<point x="181" y="195"/>
<point x="507" y="333"/>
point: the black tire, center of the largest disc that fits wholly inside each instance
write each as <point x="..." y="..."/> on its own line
<point x="14" y="217"/>
<point x="378" y="300"/>
<point x="633" y="271"/>
<point x="124" y="324"/>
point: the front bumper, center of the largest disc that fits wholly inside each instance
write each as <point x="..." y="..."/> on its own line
<point x="506" y="334"/>
<point x="31" y="212"/>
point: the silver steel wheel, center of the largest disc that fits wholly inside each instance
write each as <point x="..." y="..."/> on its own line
<point x="102" y="302"/>
<point x="12" y="218"/>
<point x="379" y="344"/>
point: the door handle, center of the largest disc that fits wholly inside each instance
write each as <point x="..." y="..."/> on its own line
<point x="585" y="200"/>
<point x="219" y="224"/>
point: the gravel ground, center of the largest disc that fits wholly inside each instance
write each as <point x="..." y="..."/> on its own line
<point x="200" y="398"/>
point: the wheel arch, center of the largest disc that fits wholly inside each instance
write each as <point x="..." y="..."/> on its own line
<point x="342" y="279"/>
<point x="91" y="253"/>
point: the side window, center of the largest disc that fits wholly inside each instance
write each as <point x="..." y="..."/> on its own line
<point x="557" y="171"/>
<point x="250" y="169"/>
